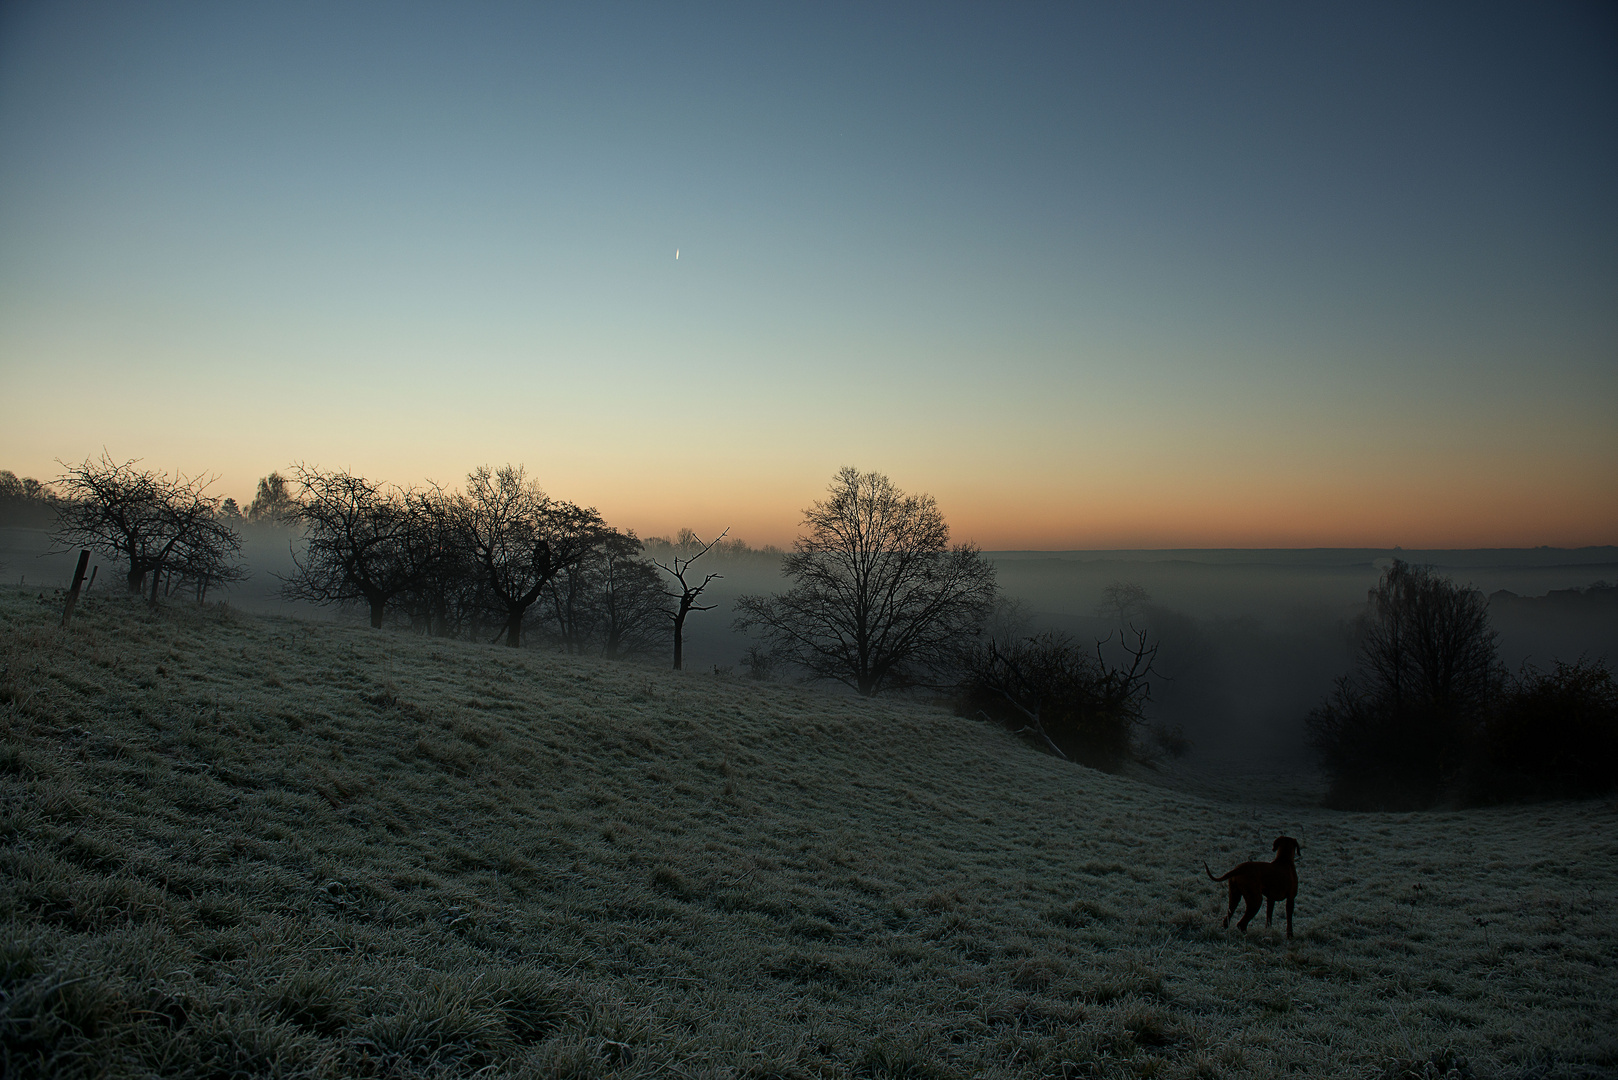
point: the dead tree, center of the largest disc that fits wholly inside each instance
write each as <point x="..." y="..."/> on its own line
<point x="687" y="596"/>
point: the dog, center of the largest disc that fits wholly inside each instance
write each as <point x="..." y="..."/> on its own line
<point x="1271" y="881"/>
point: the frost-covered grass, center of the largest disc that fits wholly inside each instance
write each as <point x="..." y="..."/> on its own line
<point x="235" y="845"/>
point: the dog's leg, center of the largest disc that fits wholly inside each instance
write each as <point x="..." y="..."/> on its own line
<point x="1253" y="902"/>
<point x="1269" y="910"/>
<point x="1235" y="898"/>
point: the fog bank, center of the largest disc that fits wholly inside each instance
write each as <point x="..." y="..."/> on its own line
<point x="1250" y="640"/>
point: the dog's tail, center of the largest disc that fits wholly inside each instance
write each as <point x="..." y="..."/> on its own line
<point x="1221" y="877"/>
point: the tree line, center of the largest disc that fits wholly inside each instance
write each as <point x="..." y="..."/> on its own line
<point x="879" y="598"/>
<point x="498" y="559"/>
<point x="25" y="501"/>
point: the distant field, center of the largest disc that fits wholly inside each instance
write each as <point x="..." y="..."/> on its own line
<point x="244" y="845"/>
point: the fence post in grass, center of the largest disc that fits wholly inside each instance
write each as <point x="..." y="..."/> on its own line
<point x="78" y="583"/>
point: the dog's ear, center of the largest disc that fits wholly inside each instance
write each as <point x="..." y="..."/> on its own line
<point x="1277" y="845"/>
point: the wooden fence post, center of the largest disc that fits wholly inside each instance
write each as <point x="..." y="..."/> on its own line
<point x="78" y="583"/>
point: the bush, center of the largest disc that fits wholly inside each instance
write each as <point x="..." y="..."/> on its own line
<point x="1551" y="735"/>
<point x="1070" y="700"/>
<point x="1378" y="756"/>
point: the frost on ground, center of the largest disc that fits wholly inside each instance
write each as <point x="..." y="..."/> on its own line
<point x="265" y="847"/>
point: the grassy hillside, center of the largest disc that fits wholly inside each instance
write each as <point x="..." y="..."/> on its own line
<point x="245" y="846"/>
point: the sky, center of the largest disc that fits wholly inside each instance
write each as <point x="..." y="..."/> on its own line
<point x="1093" y="275"/>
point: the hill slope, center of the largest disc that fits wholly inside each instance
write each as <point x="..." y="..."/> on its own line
<point x="264" y="847"/>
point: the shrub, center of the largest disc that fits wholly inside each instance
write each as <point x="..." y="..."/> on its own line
<point x="1375" y="754"/>
<point x="1549" y="735"/>
<point x="1071" y="700"/>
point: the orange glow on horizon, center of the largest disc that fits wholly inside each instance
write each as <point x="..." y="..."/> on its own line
<point x="1445" y="509"/>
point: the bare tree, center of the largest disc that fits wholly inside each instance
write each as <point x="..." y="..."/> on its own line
<point x="1427" y="673"/>
<point x="633" y="603"/>
<point x="449" y="595"/>
<point x="520" y="539"/>
<point x="686" y="598"/>
<point x="1426" y="643"/>
<point x="362" y="541"/>
<point x="880" y="597"/>
<point x="1074" y="702"/>
<point x="209" y="558"/>
<point x="611" y="601"/>
<point x="573" y="616"/>
<point x="1123" y="601"/>
<point x="155" y="522"/>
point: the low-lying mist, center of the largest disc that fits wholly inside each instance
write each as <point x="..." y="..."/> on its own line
<point x="1250" y="640"/>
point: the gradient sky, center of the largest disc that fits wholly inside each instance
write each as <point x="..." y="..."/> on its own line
<point x="1107" y="275"/>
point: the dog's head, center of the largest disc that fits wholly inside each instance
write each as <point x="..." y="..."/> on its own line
<point x="1286" y="848"/>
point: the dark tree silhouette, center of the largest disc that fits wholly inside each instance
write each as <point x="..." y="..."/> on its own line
<point x="520" y="539"/>
<point x="362" y="541"/>
<point x="24" y="501"/>
<point x="611" y="601"/>
<point x="880" y="598"/>
<point x="686" y="598"/>
<point x="155" y="522"/>
<point x="1123" y="602"/>
<point x="1402" y="722"/>
<point x="630" y="597"/>
<point x="273" y="504"/>
<point x="1427" y="644"/>
<point x="449" y="595"/>
<point x="207" y="559"/>
<point x="1073" y="701"/>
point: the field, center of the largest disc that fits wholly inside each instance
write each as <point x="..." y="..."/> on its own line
<point x="242" y="845"/>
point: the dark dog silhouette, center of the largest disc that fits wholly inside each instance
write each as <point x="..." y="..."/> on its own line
<point x="1269" y="881"/>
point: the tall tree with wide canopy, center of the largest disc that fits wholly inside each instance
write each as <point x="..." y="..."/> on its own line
<point x="1400" y="726"/>
<point x="880" y="598"/>
<point x="274" y="503"/>
<point x="520" y="538"/>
